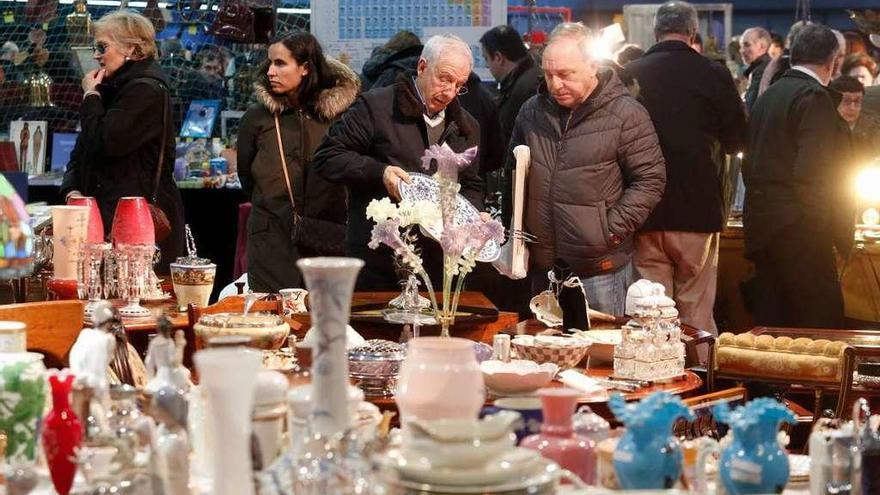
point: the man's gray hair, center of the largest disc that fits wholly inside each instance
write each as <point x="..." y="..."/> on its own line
<point x="576" y="31"/>
<point x="441" y="44"/>
<point x="676" y="17"/>
<point x="760" y="34"/>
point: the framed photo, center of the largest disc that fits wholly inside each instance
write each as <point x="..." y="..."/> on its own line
<point x="31" y="140"/>
<point x="200" y="118"/>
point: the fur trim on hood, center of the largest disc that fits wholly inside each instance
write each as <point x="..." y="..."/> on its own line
<point x="331" y="101"/>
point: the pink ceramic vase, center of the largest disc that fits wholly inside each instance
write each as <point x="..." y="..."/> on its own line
<point x="558" y="440"/>
<point x="440" y="379"/>
<point x="95" y="233"/>
<point x="132" y="223"/>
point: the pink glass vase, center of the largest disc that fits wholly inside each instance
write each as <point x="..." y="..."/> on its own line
<point x="95" y="233"/>
<point x="440" y="379"/>
<point x="132" y="223"/>
<point x="558" y="440"/>
<point x="62" y="433"/>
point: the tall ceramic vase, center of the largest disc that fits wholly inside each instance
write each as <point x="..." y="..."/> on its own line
<point x="228" y="376"/>
<point x="62" y="433"/>
<point x="330" y="282"/>
<point x="70" y="229"/>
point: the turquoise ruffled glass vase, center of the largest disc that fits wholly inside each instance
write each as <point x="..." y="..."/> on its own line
<point x="648" y="456"/>
<point x="754" y="462"/>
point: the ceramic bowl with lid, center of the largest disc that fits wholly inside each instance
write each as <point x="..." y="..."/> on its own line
<point x="264" y="331"/>
<point x="376" y="364"/>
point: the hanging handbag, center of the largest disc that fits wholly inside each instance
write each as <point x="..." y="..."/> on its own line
<point x="234" y="21"/>
<point x="320" y="237"/>
<point x="161" y="224"/>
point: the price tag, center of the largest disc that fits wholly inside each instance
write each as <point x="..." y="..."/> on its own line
<point x="45" y="26"/>
<point x="8" y="18"/>
<point x="193" y="29"/>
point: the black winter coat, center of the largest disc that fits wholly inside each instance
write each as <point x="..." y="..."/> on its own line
<point x="385" y="127"/>
<point x="516" y="88"/>
<point x="116" y="153"/>
<point x="383" y="66"/>
<point x="271" y="252"/>
<point x="796" y="172"/>
<point x="755" y="71"/>
<point x="594" y="172"/>
<point x="698" y="116"/>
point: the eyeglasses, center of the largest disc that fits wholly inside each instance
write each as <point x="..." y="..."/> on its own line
<point x="856" y="102"/>
<point x="100" y="48"/>
<point x="447" y="82"/>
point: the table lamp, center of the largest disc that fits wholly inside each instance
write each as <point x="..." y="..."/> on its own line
<point x="134" y="244"/>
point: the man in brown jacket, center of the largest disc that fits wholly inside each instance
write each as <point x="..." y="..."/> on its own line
<point x="596" y="171"/>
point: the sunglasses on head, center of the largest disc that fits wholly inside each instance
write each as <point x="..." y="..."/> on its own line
<point x="100" y="48"/>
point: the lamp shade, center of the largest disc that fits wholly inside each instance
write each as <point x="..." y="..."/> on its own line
<point x="95" y="233"/>
<point x="132" y="223"/>
<point x="16" y="234"/>
<point x="69" y="229"/>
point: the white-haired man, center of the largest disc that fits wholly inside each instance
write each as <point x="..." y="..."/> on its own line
<point x="753" y="47"/>
<point x="383" y="136"/>
<point x="596" y="170"/>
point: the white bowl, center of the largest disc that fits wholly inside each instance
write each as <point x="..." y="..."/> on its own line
<point x="517" y="376"/>
<point x="459" y="443"/>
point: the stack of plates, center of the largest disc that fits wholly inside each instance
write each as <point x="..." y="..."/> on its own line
<point x="516" y="472"/>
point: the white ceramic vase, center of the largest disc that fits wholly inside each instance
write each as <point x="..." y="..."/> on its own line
<point x="330" y="282"/>
<point x="69" y="226"/>
<point x="440" y="379"/>
<point x="228" y="377"/>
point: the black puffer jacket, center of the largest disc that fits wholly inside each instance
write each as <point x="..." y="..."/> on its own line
<point x="117" y="151"/>
<point x="594" y="172"/>
<point x="271" y="253"/>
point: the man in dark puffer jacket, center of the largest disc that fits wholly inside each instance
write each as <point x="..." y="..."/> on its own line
<point x="596" y="170"/>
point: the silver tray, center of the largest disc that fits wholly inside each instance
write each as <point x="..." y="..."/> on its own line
<point x="543" y="482"/>
<point x="425" y="188"/>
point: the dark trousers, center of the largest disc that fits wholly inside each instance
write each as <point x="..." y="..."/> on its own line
<point x="796" y="282"/>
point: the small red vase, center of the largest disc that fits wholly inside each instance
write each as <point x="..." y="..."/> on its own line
<point x="95" y="233"/>
<point x="558" y="440"/>
<point x="132" y="223"/>
<point x="62" y="433"/>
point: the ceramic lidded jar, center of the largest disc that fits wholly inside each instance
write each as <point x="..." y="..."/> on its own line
<point x="558" y="440"/>
<point x="193" y="280"/>
<point x="263" y="331"/>
<point x="440" y="379"/>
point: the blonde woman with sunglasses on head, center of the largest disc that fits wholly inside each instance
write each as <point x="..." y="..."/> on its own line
<point x="125" y="122"/>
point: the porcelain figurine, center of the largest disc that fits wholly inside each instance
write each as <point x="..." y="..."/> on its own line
<point x="171" y="443"/>
<point x="648" y="456"/>
<point x="165" y="359"/>
<point x="754" y="462"/>
<point x="90" y="356"/>
<point x="558" y="440"/>
<point x="62" y="433"/>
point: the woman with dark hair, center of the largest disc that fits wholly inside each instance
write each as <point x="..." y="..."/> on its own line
<point x="295" y="212"/>
<point x="860" y="66"/>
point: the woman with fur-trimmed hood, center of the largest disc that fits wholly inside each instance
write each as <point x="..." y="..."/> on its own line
<point x="302" y="92"/>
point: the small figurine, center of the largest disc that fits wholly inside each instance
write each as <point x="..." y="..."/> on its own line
<point x="165" y="359"/>
<point x="90" y="356"/>
<point x="171" y="443"/>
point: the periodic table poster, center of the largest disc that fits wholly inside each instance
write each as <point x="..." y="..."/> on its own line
<point x="350" y="29"/>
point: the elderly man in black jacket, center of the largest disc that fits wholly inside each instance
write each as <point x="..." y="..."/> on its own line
<point x="754" y="45"/>
<point x="596" y="169"/>
<point x="382" y="137"/>
<point x="795" y="213"/>
<point x="698" y="117"/>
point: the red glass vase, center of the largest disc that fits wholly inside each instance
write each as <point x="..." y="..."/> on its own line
<point x="558" y="440"/>
<point x="95" y="233"/>
<point x="132" y="223"/>
<point x="62" y="433"/>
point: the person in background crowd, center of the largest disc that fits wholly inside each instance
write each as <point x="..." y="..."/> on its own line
<point x="698" y="116"/>
<point x="399" y="54"/>
<point x="855" y="43"/>
<point x="383" y="136"/>
<point x="117" y="152"/>
<point x="781" y="64"/>
<point x="841" y="54"/>
<point x="865" y="138"/>
<point x="796" y="214"/>
<point x="860" y="66"/>
<point x="777" y="45"/>
<point x="753" y="47"/>
<point x="305" y="92"/>
<point x="630" y="52"/>
<point x="596" y="170"/>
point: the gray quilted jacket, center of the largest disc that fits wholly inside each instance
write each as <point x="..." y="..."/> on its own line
<point x="595" y="171"/>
